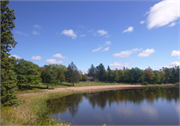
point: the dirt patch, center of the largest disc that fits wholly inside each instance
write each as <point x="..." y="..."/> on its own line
<point x="78" y="89"/>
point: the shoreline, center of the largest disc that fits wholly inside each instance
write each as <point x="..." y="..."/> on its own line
<point x="93" y="88"/>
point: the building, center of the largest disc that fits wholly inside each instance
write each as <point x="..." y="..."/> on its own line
<point x="92" y="79"/>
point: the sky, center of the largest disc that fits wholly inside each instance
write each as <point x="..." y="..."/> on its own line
<point x="116" y="33"/>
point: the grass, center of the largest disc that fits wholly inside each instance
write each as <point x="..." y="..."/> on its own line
<point x="32" y="111"/>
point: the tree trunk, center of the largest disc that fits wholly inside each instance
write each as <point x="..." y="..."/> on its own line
<point x="73" y="84"/>
<point x="47" y="86"/>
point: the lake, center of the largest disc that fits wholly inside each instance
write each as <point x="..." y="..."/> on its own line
<point x="137" y="106"/>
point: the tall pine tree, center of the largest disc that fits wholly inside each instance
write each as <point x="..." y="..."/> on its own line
<point x="8" y="77"/>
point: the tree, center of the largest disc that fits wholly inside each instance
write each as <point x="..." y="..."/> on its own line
<point x="60" y="70"/>
<point x="121" y="75"/>
<point x="138" y="75"/>
<point x="8" y="77"/>
<point x="81" y="75"/>
<point x="162" y="76"/>
<point x="84" y="77"/>
<point x="157" y="77"/>
<point x="148" y="75"/>
<point x="126" y="75"/>
<point x="102" y="72"/>
<point x="27" y="72"/>
<point x="115" y="76"/>
<point x="49" y="75"/>
<point x="108" y="69"/>
<point x="72" y="74"/>
<point x="91" y="71"/>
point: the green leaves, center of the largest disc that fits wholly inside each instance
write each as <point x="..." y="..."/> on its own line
<point x="72" y="74"/>
<point x="27" y="72"/>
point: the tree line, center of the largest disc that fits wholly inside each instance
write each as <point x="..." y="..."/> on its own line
<point x="29" y="73"/>
<point x="135" y="75"/>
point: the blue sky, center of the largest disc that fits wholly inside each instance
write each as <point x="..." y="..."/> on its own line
<point x="116" y="33"/>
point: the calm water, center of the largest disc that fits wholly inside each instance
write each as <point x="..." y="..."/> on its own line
<point x="143" y="106"/>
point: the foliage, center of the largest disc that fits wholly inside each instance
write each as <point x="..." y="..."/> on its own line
<point x="72" y="74"/>
<point x="60" y="70"/>
<point x="8" y="77"/>
<point x="148" y="75"/>
<point x="91" y="71"/>
<point x="145" y="83"/>
<point x="27" y="73"/>
<point x="84" y="77"/>
<point x="49" y="75"/>
<point x="100" y="72"/>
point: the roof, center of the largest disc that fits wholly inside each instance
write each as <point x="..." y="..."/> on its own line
<point x="90" y="77"/>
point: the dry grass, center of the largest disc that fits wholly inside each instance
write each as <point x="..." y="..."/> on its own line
<point x="30" y="111"/>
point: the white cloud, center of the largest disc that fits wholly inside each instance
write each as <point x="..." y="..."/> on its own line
<point x="102" y="32"/>
<point x="53" y="61"/>
<point x="175" y="53"/>
<point x="83" y="35"/>
<point x="146" y="13"/>
<point x="163" y="13"/>
<point x="172" y="24"/>
<point x="36" y="58"/>
<point x="21" y="33"/>
<point x="106" y="49"/>
<point x="16" y="56"/>
<point x="37" y="26"/>
<point x="130" y="29"/>
<point x="142" y="22"/>
<point x="69" y="33"/>
<point x="120" y="64"/>
<point x="98" y="49"/>
<point x="60" y="56"/>
<point x="127" y="53"/>
<point x="173" y="64"/>
<point x="146" y="53"/>
<point x="35" y="32"/>
<point x="108" y="42"/>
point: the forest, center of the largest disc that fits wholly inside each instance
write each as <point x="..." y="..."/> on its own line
<point x="29" y="73"/>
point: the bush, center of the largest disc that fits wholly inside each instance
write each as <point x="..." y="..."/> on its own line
<point x="145" y="83"/>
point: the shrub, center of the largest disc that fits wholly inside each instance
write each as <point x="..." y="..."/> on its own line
<point x="145" y="83"/>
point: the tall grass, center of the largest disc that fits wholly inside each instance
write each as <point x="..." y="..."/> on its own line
<point x="32" y="110"/>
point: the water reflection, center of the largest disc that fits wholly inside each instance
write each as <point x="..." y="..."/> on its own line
<point x="60" y="105"/>
<point x="142" y="106"/>
<point x="132" y="95"/>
